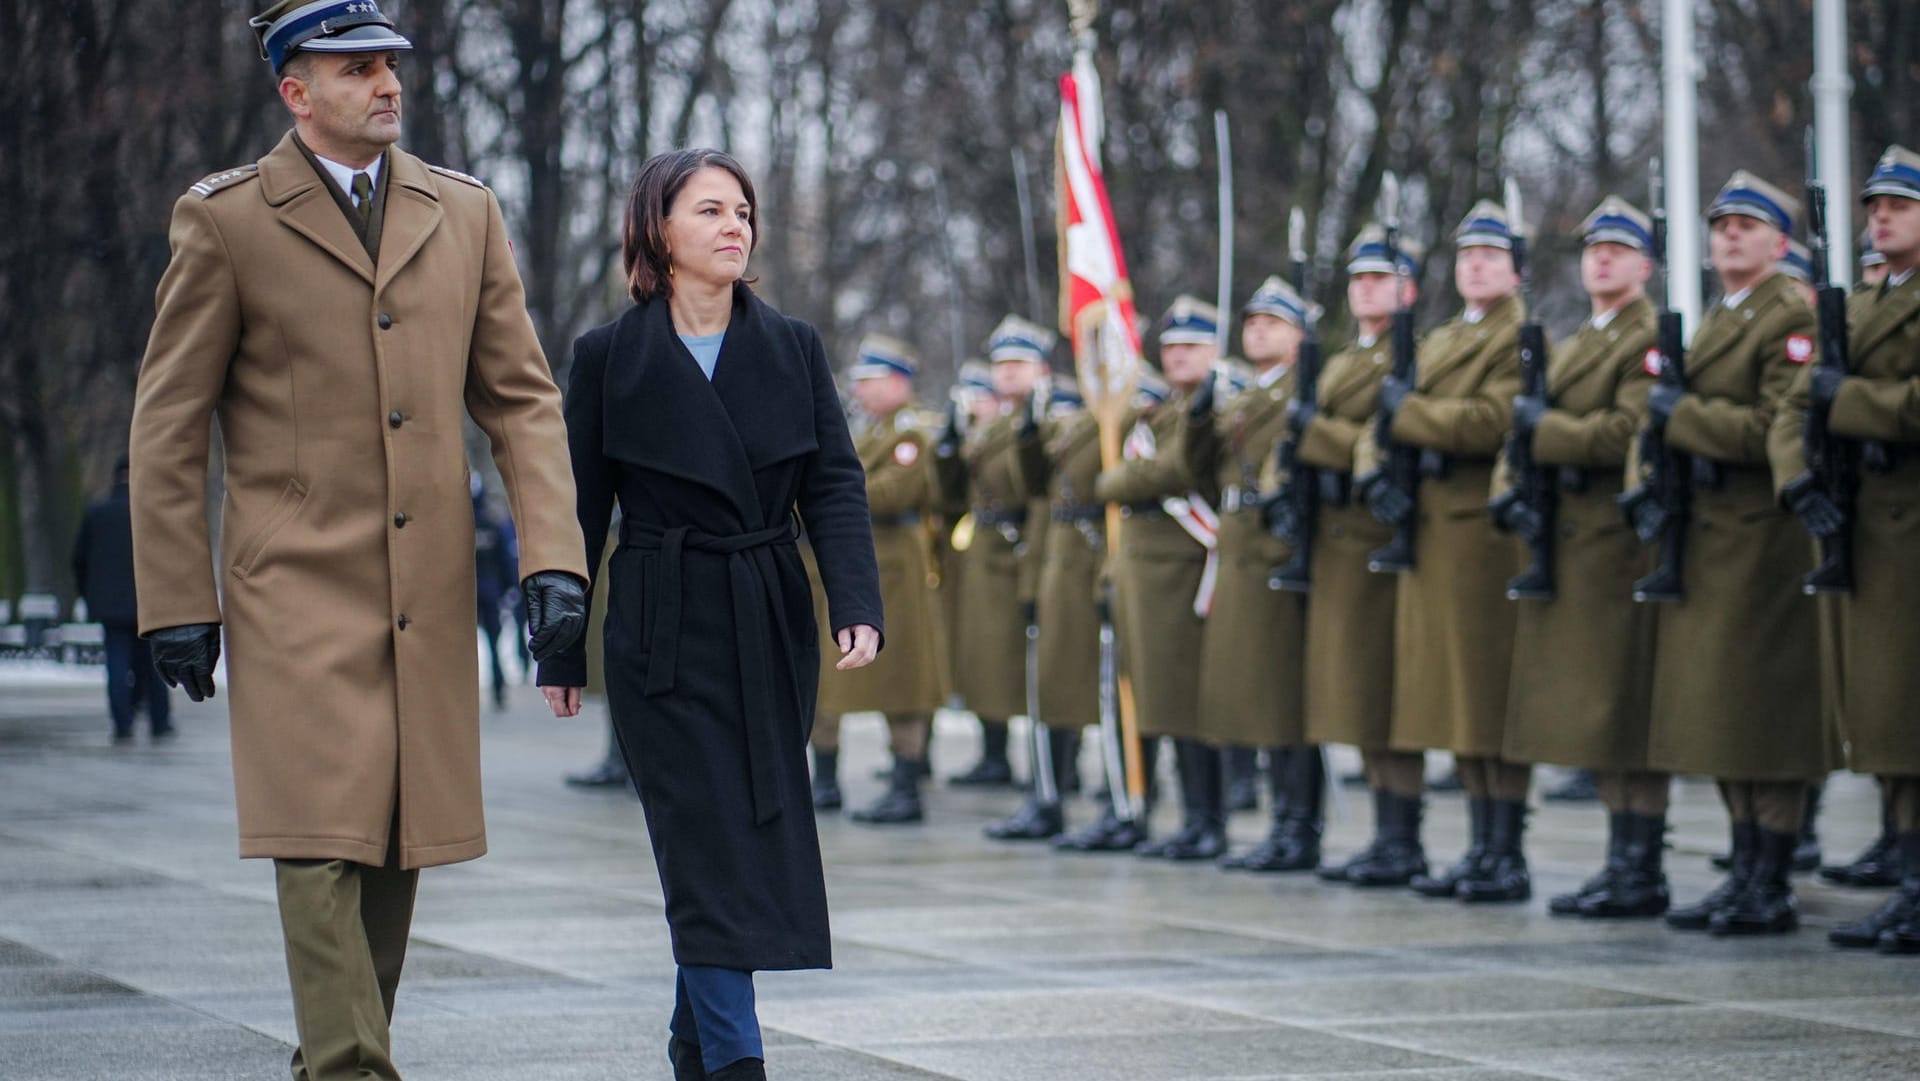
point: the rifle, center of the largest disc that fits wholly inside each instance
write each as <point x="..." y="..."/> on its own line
<point x="1299" y="489"/>
<point x="1534" y="484"/>
<point x="1658" y="508"/>
<point x="1402" y="468"/>
<point x="1834" y="462"/>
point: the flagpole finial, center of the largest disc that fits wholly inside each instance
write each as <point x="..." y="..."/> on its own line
<point x="1082" y="14"/>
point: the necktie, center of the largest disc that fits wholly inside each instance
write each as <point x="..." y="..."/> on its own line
<point x="363" y="197"/>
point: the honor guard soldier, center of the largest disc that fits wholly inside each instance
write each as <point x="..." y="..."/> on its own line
<point x="1583" y="659"/>
<point x="999" y="544"/>
<point x="1736" y="682"/>
<point x="340" y="309"/>
<point x="970" y="405"/>
<point x="910" y="683"/>
<point x="1453" y="630"/>
<point x="1873" y="636"/>
<point x="1162" y="583"/>
<point x="1350" y="613"/>
<point x="1253" y="647"/>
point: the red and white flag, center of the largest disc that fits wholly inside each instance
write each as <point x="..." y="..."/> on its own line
<point x="1096" y="299"/>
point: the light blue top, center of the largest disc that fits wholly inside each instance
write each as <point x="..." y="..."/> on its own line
<point x="705" y="349"/>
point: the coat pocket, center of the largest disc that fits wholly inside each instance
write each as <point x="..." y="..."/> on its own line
<point x="291" y="497"/>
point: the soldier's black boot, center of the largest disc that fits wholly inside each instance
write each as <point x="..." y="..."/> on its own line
<point x="1034" y="821"/>
<point x="1806" y="850"/>
<point x="1479" y="831"/>
<point x="1765" y="905"/>
<point x="1568" y="904"/>
<point x="609" y="772"/>
<point x="1740" y="861"/>
<point x="1396" y="856"/>
<point x="1878" y="866"/>
<point x="1275" y="842"/>
<point x="685" y="1058"/>
<point x="1904" y="936"/>
<point x="1298" y="780"/>
<point x="1502" y="876"/>
<point x="826" y="780"/>
<point x="900" y="804"/>
<point x="993" y="769"/>
<point x="1243" y="776"/>
<point x="1203" y="832"/>
<point x="1639" y="889"/>
<point x="1866" y="934"/>
<point x="1112" y="833"/>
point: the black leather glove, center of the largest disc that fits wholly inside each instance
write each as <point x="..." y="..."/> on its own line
<point x="1824" y="384"/>
<point x="1389" y="505"/>
<point x="1644" y="513"/>
<point x="556" y="612"/>
<point x="1299" y="415"/>
<point x="185" y="657"/>
<point x="1513" y="514"/>
<point x="1661" y="400"/>
<point x="1393" y="395"/>
<point x="1281" y="515"/>
<point x="1527" y="411"/>
<point x="1201" y="404"/>
<point x="1816" y="510"/>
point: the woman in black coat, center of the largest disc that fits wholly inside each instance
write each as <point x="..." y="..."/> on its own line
<point x="713" y="419"/>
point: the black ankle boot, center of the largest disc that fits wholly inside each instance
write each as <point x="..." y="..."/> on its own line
<point x="1110" y="834"/>
<point x="993" y="769"/>
<point x="1740" y="863"/>
<point x="1034" y="821"/>
<point x="826" y="780"/>
<point x="1640" y="888"/>
<point x="1479" y="831"/>
<point x="900" y="804"/>
<point x="1396" y="856"/>
<point x="1899" y="910"/>
<point x="1243" y="775"/>
<point x="1876" y="868"/>
<point x="1298" y="780"/>
<point x="1765" y="905"/>
<point x="1568" y="904"/>
<point x="1904" y="936"/>
<point x="746" y="1069"/>
<point x="1203" y="833"/>
<point x="685" y="1058"/>
<point x="1806" y="849"/>
<point x="1502" y="876"/>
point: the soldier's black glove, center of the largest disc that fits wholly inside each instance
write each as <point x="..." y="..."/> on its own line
<point x="1824" y="384"/>
<point x="1527" y="411"/>
<point x="1816" y="510"/>
<point x="1299" y="415"/>
<point x="1389" y="505"/>
<point x="1644" y="513"/>
<point x="1513" y="514"/>
<point x="1661" y="401"/>
<point x="1201" y="404"/>
<point x="1393" y="395"/>
<point x="949" y="443"/>
<point x="1030" y="613"/>
<point x="185" y="656"/>
<point x="1030" y="416"/>
<point x="1281" y="515"/>
<point x="556" y="612"/>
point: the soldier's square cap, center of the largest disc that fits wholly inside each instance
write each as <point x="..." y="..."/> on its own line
<point x="1065" y="396"/>
<point x="881" y="355"/>
<point x="1896" y="173"/>
<point x="1616" y="221"/>
<point x="1152" y="389"/>
<point x="325" y="26"/>
<point x="1190" y="321"/>
<point x="1797" y="263"/>
<point x="1368" y="254"/>
<point x="1276" y="298"/>
<point x="974" y="379"/>
<point x="1751" y="197"/>
<point x="1018" y="339"/>
<point x="1485" y="226"/>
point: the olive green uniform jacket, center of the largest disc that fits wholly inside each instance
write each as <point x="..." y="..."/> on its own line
<point x="910" y="675"/>
<point x="1253" y="651"/>
<point x="1453" y="629"/>
<point x="1156" y="578"/>
<point x="1349" y="654"/>
<point x="1583" y="661"/>
<point x="1870" y="645"/>
<point x="1062" y="459"/>
<point x="1736" y="682"/>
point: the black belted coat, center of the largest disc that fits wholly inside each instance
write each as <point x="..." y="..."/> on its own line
<point x="712" y="653"/>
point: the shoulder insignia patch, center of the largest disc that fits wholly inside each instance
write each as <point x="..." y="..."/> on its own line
<point x="1799" y="348"/>
<point x="219" y="181"/>
<point x="457" y="175"/>
<point x="906" y="452"/>
<point x="1652" y="363"/>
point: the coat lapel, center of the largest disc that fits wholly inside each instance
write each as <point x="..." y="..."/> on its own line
<point x="1590" y="348"/>
<point x="1724" y="328"/>
<point x="303" y="203"/>
<point x="1886" y="315"/>
<point x="412" y="213"/>
<point x="1351" y="376"/>
<point x="1465" y="341"/>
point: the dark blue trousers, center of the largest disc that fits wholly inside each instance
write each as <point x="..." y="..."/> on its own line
<point x="133" y="681"/>
<point x="713" y="1008"/>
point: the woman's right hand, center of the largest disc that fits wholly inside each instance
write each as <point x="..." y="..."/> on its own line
<point x="564" y="701"/>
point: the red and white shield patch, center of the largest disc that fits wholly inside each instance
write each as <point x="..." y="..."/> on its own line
<point x="1652" y="363"/>
<point x="906" y="453"/>
<point x="1799" y="348"/>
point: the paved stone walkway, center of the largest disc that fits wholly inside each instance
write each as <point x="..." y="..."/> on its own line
<point x="135" y="947"/>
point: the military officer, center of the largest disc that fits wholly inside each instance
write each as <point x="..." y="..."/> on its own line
<point x="999" y="541"/>
<point x="340" y="308"/>
<point x="1871" y="640"/>
<point x="1350" y="613"/>
<point x="911" y="683"/>
<point x="1453" y="629"/>
<point x="1253" y="648"/>
<point x="1583" y="660"/>
<point x="1162" y="579"/>
<point x="1736" y="691"/>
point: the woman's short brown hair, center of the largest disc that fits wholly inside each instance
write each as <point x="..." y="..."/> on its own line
<point x="643" y="241"/>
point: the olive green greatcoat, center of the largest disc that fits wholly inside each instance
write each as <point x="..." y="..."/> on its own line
<point x="1583" y="662"/>
<point x="1870" y="644"/>
<point x="1062" y="459"/>
<point x="1253" y="650"/>
<point x="1349" y="655"/>
<point x="1156" y="578"/>
<point x="998" y="571"/>
<point x="1736" y="683"/>
<point x="1453" y="624"/>
<point x="910" y="675"/>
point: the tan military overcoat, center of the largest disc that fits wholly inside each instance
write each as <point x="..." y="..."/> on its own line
<point x="1062" y="459"/>
<point x="345" y="571"/>
<point x="999" y="569"/>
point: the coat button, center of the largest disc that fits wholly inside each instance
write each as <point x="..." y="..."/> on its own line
<point x="394" y="419"/>
<point x="400" y="520"/>
<point x="403" y="621"/>
<point x="385" y="320"/>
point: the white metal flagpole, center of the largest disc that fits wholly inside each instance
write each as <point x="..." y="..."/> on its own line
<point x="1678" y="69"/>
<point x="1832" y="89"/>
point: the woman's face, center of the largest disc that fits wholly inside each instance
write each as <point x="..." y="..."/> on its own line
<point x="708" y="235"/>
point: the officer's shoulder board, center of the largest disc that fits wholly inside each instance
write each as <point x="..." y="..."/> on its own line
<point x="221" y="181"/>
<point x="457" y="175"/>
